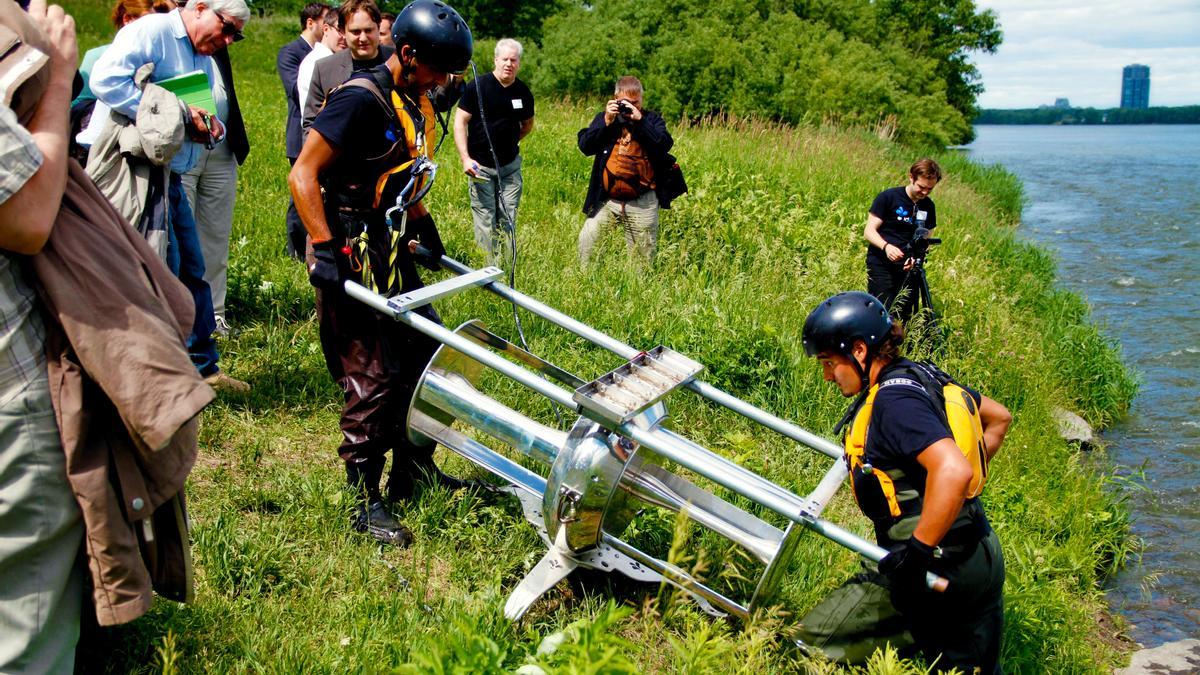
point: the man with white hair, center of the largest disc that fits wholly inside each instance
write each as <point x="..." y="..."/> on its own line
<point x="495" y="113"/>
<point x="179" y="43"/>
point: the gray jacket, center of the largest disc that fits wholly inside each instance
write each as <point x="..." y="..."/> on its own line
<point x="327" y="74"/>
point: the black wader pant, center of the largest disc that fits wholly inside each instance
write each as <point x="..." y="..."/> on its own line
<point x="377" y="361"/>
<point x="960" y="628"/>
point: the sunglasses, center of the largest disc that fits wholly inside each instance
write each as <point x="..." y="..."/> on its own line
<point x="230" y="29"/>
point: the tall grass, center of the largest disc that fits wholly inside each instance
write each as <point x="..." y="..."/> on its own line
<point x="772" y="224"/>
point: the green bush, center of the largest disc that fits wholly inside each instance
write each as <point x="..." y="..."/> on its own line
<point x="795" y="62"/>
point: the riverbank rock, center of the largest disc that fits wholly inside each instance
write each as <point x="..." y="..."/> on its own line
<point x="1072" y="427"/>
<point x="1170" y="659"/>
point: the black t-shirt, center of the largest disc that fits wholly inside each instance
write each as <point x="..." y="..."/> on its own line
<point x="356" y="124"/>
<point x="505" y="108"/>
<point x="904" y="422"/>
<point x="901" y="218"/>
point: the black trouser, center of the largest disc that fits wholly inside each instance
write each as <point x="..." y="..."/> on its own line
<point x="894" y="287"/>
<point x="377" y="361"/>
<point x="961" y="627"/>
<point x="296" y="234"/>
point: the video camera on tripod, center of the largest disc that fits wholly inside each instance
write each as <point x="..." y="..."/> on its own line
<point x="918" y="247"/>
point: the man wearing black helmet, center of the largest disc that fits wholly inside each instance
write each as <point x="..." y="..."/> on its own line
<point x="362" y="150"/>
<point x="917" y="447"/>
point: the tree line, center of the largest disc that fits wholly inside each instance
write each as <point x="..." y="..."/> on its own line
<point x="1188" y="114"/>
<point x="898" y="66"/>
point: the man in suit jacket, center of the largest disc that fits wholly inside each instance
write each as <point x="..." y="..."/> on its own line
<point x="286" y="64"/>
<point x="360" y="25"/>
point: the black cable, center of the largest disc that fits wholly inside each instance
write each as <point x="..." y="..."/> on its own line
<point x="505" y="220"/>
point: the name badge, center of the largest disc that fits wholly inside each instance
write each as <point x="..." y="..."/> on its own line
<point x="517" y="104"/>
<point x="922" y="216"/>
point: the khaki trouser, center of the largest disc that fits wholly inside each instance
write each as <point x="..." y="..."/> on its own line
<point x="211" y="188"/>
<point x="483" y="205"/>
<point x="639" y="219"/>
<point x="41" y="530"/>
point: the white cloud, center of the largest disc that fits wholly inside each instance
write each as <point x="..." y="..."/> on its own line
<point x="1076" y="49"/>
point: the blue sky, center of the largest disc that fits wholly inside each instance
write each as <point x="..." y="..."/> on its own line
<point x="1076" y="49"/>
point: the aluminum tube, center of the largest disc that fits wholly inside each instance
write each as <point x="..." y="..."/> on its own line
<point x="728" y="467"/>
<point x="773" y="422"/>
<point x="777" y="424"/>
<point x="468" y="347"/>
<point x="762" y="491"/>
<point x="721" y="471"/>
<point x="828" y="487"/>
<point x="481" y="455"/>
<point x="677" y="576"/>
<point x="465" y="403"/>
<point x="487" y="358"/>
<point x="550" y="314"/>
<point x="651" y="490"/>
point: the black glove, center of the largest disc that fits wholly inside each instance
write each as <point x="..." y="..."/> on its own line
<point x="424" y="230"/>
<point x="905" y="570"/>
<point x="324" y="273"/>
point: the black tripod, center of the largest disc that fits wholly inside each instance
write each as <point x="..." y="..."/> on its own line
<point x="916" y="250"/>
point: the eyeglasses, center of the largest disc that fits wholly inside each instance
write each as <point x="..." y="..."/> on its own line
<point x="230" y="29"/>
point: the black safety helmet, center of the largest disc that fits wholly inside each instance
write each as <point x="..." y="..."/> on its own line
<point x="840" y="320"/>
<point x="436" y="35"/>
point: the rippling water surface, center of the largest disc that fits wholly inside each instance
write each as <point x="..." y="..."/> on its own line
<point x="1120" y="206"/>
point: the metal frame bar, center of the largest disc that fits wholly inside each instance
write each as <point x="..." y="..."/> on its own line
<point x="668" y="445"/>
<point x="426" y="294"/>
<point x="708" y="391"/>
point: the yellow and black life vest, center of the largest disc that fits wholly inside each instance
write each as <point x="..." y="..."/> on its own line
<point x="889" y="495"/>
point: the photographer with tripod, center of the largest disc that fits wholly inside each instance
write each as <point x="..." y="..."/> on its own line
<point x="897" y="234"/>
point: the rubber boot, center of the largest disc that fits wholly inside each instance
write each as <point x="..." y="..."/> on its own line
<point x="372" y="516"/>
<point x="408" y="476"/>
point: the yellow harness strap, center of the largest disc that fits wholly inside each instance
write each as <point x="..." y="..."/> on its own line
<point x="419" y="141"/>
<point x="856" y="441"/>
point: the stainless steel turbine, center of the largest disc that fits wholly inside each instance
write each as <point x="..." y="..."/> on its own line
<point x="618" y="454"/>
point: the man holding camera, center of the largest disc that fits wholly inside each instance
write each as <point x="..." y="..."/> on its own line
<point x="629" y="175"/>
<point x="896" y="215"/>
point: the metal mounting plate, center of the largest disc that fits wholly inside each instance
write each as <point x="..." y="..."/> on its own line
<point x="620" y="394"/>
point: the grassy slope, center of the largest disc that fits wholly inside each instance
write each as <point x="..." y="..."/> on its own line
<point x="771" y="226"/>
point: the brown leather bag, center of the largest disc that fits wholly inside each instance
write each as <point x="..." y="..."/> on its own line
<point x="627" y="172"/>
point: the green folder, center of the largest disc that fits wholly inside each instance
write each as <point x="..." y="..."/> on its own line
<point x="193" y="89"/>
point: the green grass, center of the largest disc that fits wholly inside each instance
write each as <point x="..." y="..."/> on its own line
<point x="771" y="226"/>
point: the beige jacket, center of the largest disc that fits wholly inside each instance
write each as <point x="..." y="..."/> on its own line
<point x="130" y="160"/>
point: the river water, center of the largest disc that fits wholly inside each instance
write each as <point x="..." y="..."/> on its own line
<point x="1120" y="207"/>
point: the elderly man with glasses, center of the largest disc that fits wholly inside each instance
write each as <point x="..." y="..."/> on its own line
<point x="179" y="43"/>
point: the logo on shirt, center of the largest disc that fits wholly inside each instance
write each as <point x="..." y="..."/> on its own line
<point x="901" y="213"/>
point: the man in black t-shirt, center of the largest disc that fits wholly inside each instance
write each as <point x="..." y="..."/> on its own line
<point x="910" y="477"/>
<point x="892" y="222"/>
<point x="357" y="139"/>
<point x="494" y="167"/>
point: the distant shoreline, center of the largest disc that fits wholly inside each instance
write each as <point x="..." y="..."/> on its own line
<point x="1189" y="114"/>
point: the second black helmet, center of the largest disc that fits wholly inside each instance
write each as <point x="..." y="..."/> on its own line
<point x="436" y="34"/>
<point x="840" y="320"/>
